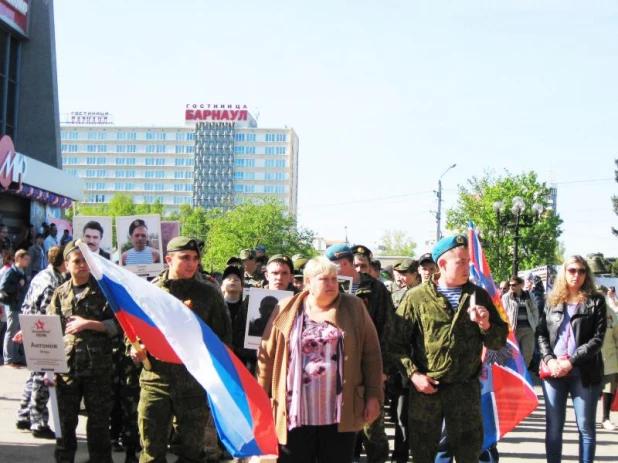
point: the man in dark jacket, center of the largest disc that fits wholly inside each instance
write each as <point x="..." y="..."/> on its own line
<point x="14" y="284"/>
<point x="168" y="389"/>
<point x="378" y="301"/>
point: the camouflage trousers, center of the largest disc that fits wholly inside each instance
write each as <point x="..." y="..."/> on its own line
<point x="96" y="392"/>
<point x="373" y="437"/>
<point x="125" y="399"/>
<point x="33" y="405"/>
<point x="459" y="406"/>
<point x="168" y="391"/>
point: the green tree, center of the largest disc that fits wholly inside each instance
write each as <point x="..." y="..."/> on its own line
<point x="396" y="243"/>
<point x="538" y="244"/>
<point x="252" y="223"/>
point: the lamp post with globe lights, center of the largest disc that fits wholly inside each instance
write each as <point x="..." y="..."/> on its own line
<point x="515" y="218"/>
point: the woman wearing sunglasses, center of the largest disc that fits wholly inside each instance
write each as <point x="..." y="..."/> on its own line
<point x="570" y="336"/>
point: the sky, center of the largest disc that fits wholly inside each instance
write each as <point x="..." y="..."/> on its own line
<point x="384" y="96"/>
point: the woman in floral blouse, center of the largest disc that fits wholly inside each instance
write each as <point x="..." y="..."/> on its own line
<point x="320" y="363"/>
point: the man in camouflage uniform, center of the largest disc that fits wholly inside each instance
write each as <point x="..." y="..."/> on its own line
<point x="88" y="325"/>
<point x="252" y="277"/>
<point x="125" y="393"/>
<point x="168" y="389"/>
<point x="398" y="386"/>
<point x="33" y="413"/>
<point x="378" y="302"/>
<point x="438" y="341"/>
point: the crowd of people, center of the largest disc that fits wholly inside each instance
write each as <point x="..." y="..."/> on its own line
<point x="354" y="345"/>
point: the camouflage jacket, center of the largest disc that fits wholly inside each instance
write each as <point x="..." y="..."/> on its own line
<point x="431" y="338"/>
<point x="88" y="352"/>
<point x="205" y="301"/>
<point x="398" y="295"/>
<point x="378" y="302"/>
<point x="255" y="280"/>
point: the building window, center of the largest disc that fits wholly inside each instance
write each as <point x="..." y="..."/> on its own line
<point x="91" y="161"/>
<point x="161" y="148"/>
<point x="130" y="186"/>
<point x="188" y="187"/>
<point x="188" y="174"/>
<point x="180" y="149"/>
<point x="121" y="148"/>
<point x="160" y="161"/>
<point x="101" y="135"/>
<point x="73" y="135"/>
<point x="280" y="150"/>
<point x="91" y="148"/>
<point x="101" y="148"/>
<point x="280" y="137"/>
<point x="130" y="174"/>
<point x="121" y="161"/>
<point x="190" y="149"/>
<point x="239" y="162"/>
<point x="239" y="150"/>
<point x="190" y="136"/>
<point x="92" y="136"/>
<point x="101" y="161"/>
<point x="150" y="148"/>
<point x="72" y="172"/>
<point x="239" y="137"/>
<point x="239" y="188"/>
<point x="269" y="150"/>
<point x="120" y="173"/>
<point x="249" y="188"/>
<point x="149" y="161"/>
<point x="250" y="137"/>
<point x="179" y="174"/>
<point x="131" y="148"/>
<point x="178" y="187"/>
<point x="250" y="150"/>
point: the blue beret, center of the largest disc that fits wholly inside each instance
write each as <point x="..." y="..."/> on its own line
<point x="446" y="244"/>
<point x="338" y="251"/>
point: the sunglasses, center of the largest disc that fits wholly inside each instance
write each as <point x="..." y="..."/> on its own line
<point x="512" y="285"/>
<point x="579" y="271"/>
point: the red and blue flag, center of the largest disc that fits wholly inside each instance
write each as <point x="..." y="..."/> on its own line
<point x="507" y="393"/>
<point x="172" y="332"/>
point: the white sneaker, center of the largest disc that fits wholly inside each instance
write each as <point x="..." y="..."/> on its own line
<point x="608" y="425"/>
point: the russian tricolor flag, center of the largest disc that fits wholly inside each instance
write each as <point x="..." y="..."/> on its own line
<point x="507" y="393"/>
<point x="171" y="332"/>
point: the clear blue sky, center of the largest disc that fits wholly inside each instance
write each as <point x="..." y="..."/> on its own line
<point x="383" y="95"/>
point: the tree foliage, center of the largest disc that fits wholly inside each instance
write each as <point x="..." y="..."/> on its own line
<point x="538" y="244"/>
<point x="396" y="243"/>
<point x="250" y="224"/>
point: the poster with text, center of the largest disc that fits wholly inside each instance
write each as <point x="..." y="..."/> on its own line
<point x="43" y="343"/>
<point x="262" y="302"/>
<point x="139" y="244"/>
<point x="96" y="232"/>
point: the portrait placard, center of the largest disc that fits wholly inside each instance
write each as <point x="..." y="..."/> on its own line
<point x="43" y="343"/>
<point x="139" y="244"/>
<point x="96" y="232"/>
<point x="262" y="302"/>
<point x="345" y="283"/>
<point x="169" y="229"/>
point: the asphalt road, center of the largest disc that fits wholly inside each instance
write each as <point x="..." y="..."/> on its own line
<point x="525" y="443"/>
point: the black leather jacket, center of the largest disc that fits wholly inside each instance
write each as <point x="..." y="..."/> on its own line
<point x="589" y="325"/>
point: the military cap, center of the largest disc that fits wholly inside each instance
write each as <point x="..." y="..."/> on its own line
<point x="446" y="244"/>
<point x="299" y="262"/>
<point x="338" y="251"/>
<point x="247" y="254"/>
<point x="406" y="265"/>
<point x="136" y="223"/>
<point x="234" y="261"/>
<point x="359" y="249"/>
<point x="184" y="243"/>
<point x="69" y="248"/>
<point x="233" y="270"/>
<point x="282" y="258"/>
<point x="425" y="258"/>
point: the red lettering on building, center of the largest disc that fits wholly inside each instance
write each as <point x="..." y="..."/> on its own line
<point x="215" y="115"/>
<point x="12" y="164"/>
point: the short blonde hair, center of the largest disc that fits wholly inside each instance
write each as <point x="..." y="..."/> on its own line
<point x="318" y="266"/>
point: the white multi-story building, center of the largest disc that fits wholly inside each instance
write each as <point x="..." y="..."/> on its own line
<point x="207" y="164"/>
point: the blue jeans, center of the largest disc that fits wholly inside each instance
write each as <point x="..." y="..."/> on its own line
<point x="585" y="399"/>
<point x="13" y="352"/>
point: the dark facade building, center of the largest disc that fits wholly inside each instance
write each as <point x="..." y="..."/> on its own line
<point x="32" y="185"/>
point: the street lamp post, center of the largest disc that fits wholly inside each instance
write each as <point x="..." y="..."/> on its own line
<point x="439" y="213"/>
<point x="516" y="219"/>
